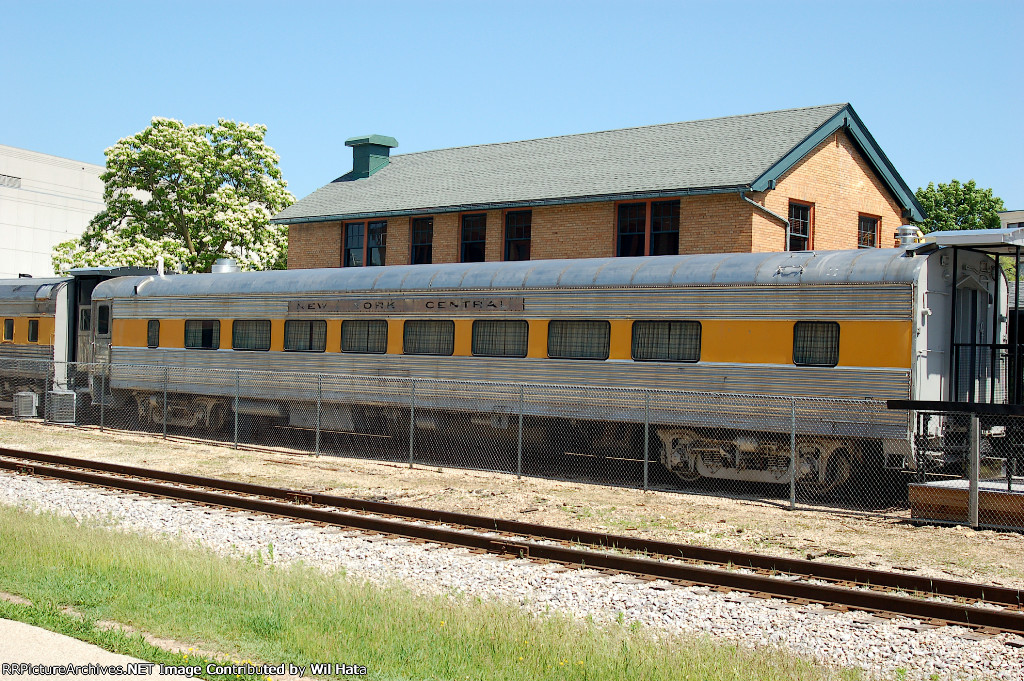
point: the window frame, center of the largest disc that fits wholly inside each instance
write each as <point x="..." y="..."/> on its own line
<point x="8" y="330"/>
<point x="793" y="203"/>
<point x="216" y="334"/>
<point x="649" y="231"/>
<point x="412" y="323"/>
<point x="103" y="325"/>
<point x="607" y="350"/>
<point x="417" y="247"/>
<point x="258" y="333"/>
<point x="482" y="240"/>
<point x="509" y="241"/>
<point x="149" y="333"/>
<point x="804" y="324"/>
<point x="312" y="323"/>
<point x="522" y="323"/>
<point x="372" y="243"/>
<point x="877" y="233"/>
<point x="348" y="322"/>
<point x="634" y="328"/>
<point x="33" y="330"/>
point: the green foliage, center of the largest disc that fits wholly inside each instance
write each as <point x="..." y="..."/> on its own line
<point x="958" y="206"/>
<point x="190" y="193"/>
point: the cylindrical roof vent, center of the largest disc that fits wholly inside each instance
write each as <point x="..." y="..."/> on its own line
<point x="908" y="235"/>
<point x="224" y="266"/>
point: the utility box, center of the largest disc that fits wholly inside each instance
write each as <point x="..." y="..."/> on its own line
<point x="61" y="406"/>
<point x="25" y="405"/>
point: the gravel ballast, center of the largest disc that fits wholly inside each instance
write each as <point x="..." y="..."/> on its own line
<point x="842" y="639"/>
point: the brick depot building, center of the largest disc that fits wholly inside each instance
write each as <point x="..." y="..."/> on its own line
<point x="811" y="178"/>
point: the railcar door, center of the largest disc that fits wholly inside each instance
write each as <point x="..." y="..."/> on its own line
<point x="978" y="343"/>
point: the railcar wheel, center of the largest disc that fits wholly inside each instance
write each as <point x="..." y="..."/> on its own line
<point x="678" y="458"/>
<point x="837" y="474"/>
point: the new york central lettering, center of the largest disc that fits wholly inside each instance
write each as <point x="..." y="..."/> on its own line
<point x="386" y="305"/>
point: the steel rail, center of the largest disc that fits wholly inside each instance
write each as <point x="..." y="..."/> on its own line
<point x="973" y="591"/>
<point x="863" y="599"/>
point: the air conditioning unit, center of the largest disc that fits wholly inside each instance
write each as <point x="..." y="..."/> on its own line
<point x="60" y="406"/>
<point x="25" y="405"/>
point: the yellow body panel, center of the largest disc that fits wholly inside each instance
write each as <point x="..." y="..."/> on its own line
<point x="862" y="343"/>
<point x="621" y="342"/>
<point x="537" y="340"/>
<point x="396" y="329"/>
<point x="463" y="338"/>
<point x="46" y="325"/>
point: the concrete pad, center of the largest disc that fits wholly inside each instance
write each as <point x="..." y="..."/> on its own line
<point x="22" y="643"/>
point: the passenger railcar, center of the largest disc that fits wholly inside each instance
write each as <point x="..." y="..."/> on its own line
<point x="872" y="323"/>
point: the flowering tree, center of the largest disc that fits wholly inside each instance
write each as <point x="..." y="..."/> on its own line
<point x="189" y="193"/>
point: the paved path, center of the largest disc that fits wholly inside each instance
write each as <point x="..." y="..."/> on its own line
<point x="24" y="644"/>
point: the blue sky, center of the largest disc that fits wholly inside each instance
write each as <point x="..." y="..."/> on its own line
<point x="938" y="84"/>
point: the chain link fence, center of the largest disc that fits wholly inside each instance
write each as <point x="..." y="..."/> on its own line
<point x="848" y="454"/>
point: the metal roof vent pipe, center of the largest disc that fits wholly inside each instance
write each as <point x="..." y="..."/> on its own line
<point x="909" y="235"/>
<point x="225" y="266"/>
<point x="370" y="153"/>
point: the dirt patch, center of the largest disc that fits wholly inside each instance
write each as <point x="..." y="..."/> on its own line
<point x="766" y="526"/>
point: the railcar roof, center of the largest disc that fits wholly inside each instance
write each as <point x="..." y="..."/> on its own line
<point x="789" y="268"/>
<point x="27" y="288"/>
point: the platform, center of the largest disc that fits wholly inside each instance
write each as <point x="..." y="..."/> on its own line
<point x="947" y="501"/>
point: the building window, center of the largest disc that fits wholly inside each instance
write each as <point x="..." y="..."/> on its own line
<point x="517" y="234"/>
<point x="8" y="329"/>
<point x="302" y="335"/>
<point x="648" y="228"/>
<point x="153" y="333"/>
<point x="250" y="334"/>
<point x="632" y="228"/>
<point x="867" y="232"/>
<point x="500" y="338"/>
<point x="364" y="335"/>
<point x="667" y="341"/>
<point x="799" y="227"/>
<point x="103" y="320"/>
<point x="33" y="331"/>
<point x="202" y="334"/>
<point x="578" y="339"/>
<point x="369" y="238"/>
<point x="816" y="344"/>
<point x="422" y="241"/>
<point x="474" y="236"/>
<point x="429" y="337"/>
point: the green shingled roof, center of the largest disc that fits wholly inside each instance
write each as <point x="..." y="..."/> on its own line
<point x="706" y="156"/>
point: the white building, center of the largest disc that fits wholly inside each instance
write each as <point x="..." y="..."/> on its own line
<point x="43" y="200"/>
<point x="1012" y="218"/>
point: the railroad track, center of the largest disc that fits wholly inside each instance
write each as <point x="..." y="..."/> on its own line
<point x="988" y="609"/>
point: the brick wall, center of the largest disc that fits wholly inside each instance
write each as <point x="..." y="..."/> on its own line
<point x="840" y="184"/>
<point x="314" y="244"/>
<point x="714" y="223"/>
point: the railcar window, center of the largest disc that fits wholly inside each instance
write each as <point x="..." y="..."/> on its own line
<point x="250" y="334"/>
<point x="364" y="335"/>
<point x="103" y="320"/>
<point x="670" y="341"/>
<point x="85" y="320"/>
<point x="202" y="334"/>
<point x="500" y="338"/>
<point x="33" y="331"/>
<point x="301" y="335"/>
<point x="153" y="333"/>
<point x="571" y="339"/>
<point x="816" y="344"/>
<point x="8" y="329"/>
<point x="429" y="337"/>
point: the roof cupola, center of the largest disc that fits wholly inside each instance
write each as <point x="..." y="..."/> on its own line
<point x="369" y="153"/>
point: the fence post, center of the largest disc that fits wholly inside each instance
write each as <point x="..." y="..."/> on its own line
<point x="103" y="399"/>
<point x="792" y="454"/>
<point x="519" y="441"/>
<point x="319" y="398"/>
<point x="973" y="467"/>
<point x="238" y="380"/>
<point x="163" y="415"/>
<point x="412" y="418"/>
<point x="647" y="436"/>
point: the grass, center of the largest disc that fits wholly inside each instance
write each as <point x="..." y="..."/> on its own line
<point x="249" y="610"/>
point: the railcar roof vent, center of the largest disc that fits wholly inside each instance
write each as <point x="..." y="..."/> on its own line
<point x="224" y="266"/>
<point x="370" y="153"/>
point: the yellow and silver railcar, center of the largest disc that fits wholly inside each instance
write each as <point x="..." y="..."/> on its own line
<point x="845" y="324"/>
